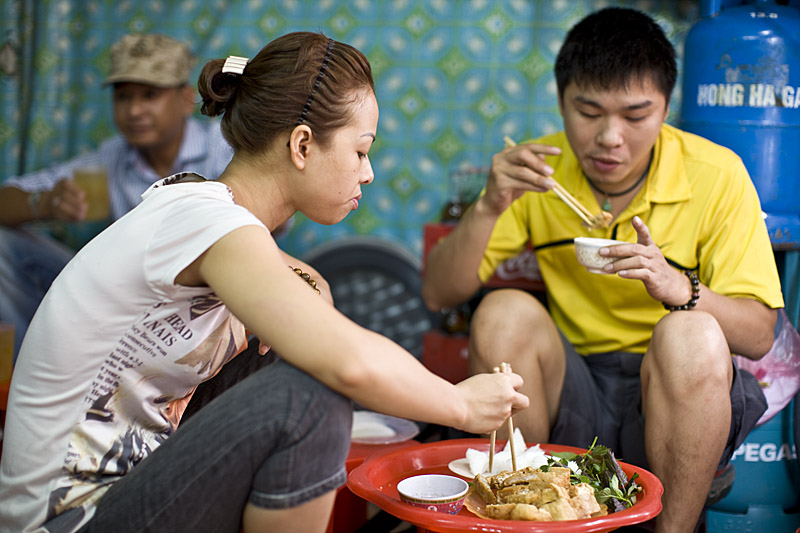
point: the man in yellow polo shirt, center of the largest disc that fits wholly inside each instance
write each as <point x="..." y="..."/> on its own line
<point x="639" y="357"/>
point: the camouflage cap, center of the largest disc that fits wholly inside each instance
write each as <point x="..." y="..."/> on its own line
<point x="152" y="59"/>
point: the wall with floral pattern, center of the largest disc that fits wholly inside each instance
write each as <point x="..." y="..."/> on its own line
<point x="453" y="77"/>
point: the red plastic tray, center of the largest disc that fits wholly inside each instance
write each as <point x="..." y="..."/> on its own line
<point x="376" y="481"/>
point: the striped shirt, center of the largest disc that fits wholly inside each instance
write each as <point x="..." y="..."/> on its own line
<point x="203" y="150"/>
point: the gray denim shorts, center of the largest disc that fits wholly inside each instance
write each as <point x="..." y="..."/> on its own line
<point x="275" y="439"/>
<point x="602" y="397"/>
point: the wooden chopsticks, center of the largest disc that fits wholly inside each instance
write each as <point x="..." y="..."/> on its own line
<point x="504" y="367"/>
<point x="576" y="206"/>
<point x="493" y="435"/>
<point x="592" y="221"/>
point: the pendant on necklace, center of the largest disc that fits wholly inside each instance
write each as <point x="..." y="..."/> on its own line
<point x="607" y="205"/>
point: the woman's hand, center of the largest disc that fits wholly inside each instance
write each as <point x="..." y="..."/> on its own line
<point x="491" y="399"/>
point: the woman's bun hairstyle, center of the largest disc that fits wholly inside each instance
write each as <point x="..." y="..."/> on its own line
<point x="216" y="89"/>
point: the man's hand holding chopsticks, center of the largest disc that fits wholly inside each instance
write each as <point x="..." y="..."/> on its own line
<point x="492" y="399"/>
<point x="515" y="170"/>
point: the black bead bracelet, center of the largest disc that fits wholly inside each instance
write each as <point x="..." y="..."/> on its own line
<point x="695" y="281"/>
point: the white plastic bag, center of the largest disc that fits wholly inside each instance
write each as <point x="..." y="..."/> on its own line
<point x="778" y="371"/>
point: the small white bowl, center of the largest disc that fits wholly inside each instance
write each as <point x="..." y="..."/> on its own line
<point x="435" y="492"/>
<point x="586" y="250"/>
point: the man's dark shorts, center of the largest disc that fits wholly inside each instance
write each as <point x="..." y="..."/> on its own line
<point x="602" y="398"/>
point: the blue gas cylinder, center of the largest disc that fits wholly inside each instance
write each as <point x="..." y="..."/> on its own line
<point x="765" y="495"/>
<point x="741" y="89"/>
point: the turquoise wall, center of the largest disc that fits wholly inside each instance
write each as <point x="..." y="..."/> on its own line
<point x="453" y="78"/>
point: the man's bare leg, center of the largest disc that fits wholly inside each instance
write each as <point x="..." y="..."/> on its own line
<point x="310" y="517"/>
<point x="512" y="326"/>
<point x="686" y="379"/>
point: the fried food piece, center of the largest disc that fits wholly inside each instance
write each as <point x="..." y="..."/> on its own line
<point x="512" y="493"/>
<point x="500" y="511"/>
<point x="517" y="477"/>
<point x="581" y="498"/>
<point x="560" y="510"/>
<point x="536" y="478"/>
<point x="559" y="507"/>
<point x="517" y="511"/>
<point x="602" y="512"/>
<point x="601" y="220"/>
<point x="524" y="511"/>
<point x="497" y="481"/>
<point x="484" y="489"/>
<point x="533" y="495"/>
<point x="537" y="495"/>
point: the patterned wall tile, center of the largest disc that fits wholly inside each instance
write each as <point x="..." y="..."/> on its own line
<point x="453" y="77"/>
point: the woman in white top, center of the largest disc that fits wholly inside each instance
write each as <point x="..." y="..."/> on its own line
<point x="98" y="435"/>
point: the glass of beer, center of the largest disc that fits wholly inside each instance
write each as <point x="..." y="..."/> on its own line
<point x="94" y="182"/>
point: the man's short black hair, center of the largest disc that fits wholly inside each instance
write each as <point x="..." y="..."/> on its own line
<point x="614" y="47"/>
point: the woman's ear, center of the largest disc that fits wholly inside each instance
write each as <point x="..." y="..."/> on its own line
<point x="299" y="145"/>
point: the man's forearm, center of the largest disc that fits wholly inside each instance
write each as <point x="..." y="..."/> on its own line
<point x="748" y="324"/>
<point x="451" y="268"/>
<point x="18" y="206"/>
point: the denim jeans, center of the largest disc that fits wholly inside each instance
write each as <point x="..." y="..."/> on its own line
<point x="29" y="262"/>
<point x="276" y="439"/>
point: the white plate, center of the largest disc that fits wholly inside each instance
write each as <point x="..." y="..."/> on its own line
<point x="461" y="467"/>
<point x="531" y="456"/>
<point x="403" y="430"/>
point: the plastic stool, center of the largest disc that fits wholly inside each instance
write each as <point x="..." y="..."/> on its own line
<point x="766" y="493"/>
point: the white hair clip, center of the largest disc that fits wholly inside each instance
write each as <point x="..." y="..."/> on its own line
<point x="235" y="65"/>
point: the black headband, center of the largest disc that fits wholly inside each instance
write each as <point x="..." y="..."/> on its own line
<point x="321" y="75"/>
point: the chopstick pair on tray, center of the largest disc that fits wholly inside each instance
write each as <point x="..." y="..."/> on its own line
<point x="504" y="367"/>
<point x="601" y="220"/>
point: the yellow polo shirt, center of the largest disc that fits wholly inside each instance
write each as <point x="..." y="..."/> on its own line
<point x="702" y="211"/>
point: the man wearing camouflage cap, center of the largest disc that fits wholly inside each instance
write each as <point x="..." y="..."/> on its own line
<point x="152" y="102"/>
<point x="152" y="60"/>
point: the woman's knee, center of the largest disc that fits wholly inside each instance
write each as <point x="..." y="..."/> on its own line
<point x="294" y="406"/>
<point x="321" y="402"/>
<point x="338" y="412"/>
<point x="308" y="453"/>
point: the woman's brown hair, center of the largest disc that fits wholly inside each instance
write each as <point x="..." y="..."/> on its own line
<point x="299" y="78"/>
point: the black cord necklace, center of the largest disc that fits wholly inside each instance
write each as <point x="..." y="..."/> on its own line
<point x="607" y="203"/>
